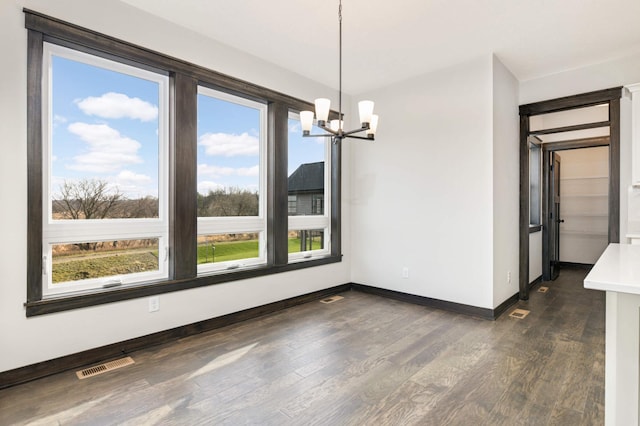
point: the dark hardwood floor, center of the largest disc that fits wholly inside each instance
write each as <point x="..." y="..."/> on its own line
<point x="361" y="360"/>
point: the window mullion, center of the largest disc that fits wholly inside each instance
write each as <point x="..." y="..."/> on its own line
<point x="277" y="221"/>
<point x="34" y="164"/>
<point x="336" y="196"/>
<point x="183" y="159"/>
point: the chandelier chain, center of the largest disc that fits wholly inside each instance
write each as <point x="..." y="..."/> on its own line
<point x="340" y="66"/>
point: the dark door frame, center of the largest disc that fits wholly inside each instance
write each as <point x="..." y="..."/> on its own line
<point x="607" y="96"/>
<point x="547" y="150"/>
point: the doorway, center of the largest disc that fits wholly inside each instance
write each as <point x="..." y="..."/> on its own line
<point x="577" y="210"/>
<point x="566" y="136"/>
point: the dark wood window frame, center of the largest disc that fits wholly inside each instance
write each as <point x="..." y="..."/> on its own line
<point x="184" y="79"/>
<point x="535" y="157"/>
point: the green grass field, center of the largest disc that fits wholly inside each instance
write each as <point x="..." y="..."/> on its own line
<point x="223" y="252"/>
<point x="119" y="263"/>
<point x="104" y="266"/>
<point x="236" y="250"/>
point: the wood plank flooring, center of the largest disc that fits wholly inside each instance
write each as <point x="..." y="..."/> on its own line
<point x="363" y="360"/>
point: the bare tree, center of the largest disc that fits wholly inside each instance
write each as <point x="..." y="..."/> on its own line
<point x="88" y="199"/>
<point x="229" y="202"/>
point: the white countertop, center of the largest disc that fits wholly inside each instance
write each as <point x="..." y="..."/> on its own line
<point x="618" y="269"/>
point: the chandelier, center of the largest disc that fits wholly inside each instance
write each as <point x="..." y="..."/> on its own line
<point x="334" y="128"/>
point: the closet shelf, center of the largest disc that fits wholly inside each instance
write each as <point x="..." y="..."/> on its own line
<point x="584" y="196"/>
<point x="584" y="177"/>
<point x="589" y="233"/>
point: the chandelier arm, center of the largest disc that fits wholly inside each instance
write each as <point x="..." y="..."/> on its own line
<point x="350" y="132"/>
<point x="328" y="129"/>
<point x="365" y="138"/>
<point x="323" y="135"/>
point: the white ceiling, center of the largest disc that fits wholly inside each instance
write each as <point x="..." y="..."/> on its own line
<point x="385" y="42"/>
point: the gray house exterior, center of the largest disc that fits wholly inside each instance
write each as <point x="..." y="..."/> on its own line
<point x="306" y="197"/>
<point x="306" y="190"/>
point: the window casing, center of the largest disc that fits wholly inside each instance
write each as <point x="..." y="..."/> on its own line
<point x="219" y="150"/>
<point x="172" y="234"/>
<point x="99" y="147"/>
<point x="309" y="182"/>
<point x="535" y="184"/>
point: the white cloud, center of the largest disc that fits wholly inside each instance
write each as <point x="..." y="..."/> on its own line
<point x="127" y="177"/>
<point x="248" y="171"/>
<point x="230" y="145"/>
<point x="295" y="127"/>
<point x="58" y="119"/>
<point x="206" y="186"/>
<point x="108" y="150"/>
<point x="214" y="171"/>
<point x="118" y="105"/>
<point x="134" y="185"/>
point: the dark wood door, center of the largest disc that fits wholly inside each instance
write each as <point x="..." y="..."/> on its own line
<point x="554" y="216"/>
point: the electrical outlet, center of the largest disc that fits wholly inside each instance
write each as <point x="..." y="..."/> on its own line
<point x="509" y="277"/>
<point x="154" y="303"/>
<point x="405" y="272"/>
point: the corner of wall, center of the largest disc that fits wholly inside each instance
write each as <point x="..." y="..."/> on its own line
<point x="506" y="175"/>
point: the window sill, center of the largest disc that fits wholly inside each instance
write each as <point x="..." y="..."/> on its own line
<point x="535" y="228"/>
<point x="76" y="301"/>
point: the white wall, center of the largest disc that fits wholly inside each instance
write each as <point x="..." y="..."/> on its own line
<point x="506" y="183"/>
<point x="25" y="341"/>
<point x="422" y="192"/>
<point x="604" y="75"/>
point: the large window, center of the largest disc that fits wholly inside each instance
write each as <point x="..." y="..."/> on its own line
<point x="307" y="188"/>
<point x="104" y="173"/>
<point x="231" y="181"/>
<point x="148" y="174"/>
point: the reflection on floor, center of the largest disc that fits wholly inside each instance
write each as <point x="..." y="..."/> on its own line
<point x="360" y="360"/>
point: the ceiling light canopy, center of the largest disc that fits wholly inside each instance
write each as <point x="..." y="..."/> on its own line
<point x="334" y="128"/>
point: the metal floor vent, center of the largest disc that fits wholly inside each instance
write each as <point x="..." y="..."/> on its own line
<point x="331" y="299"/>
<point x="103" y="368"/>
<point x="519" y="313"/>
<point x="543" y="289"/>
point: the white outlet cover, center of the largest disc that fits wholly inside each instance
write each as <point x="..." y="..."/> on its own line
<point x="154" y="303"/>
<point x="405" y="272"/>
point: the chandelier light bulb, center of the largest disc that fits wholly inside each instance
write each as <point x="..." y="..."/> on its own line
<point x="366" y="111"/>
<point x="373" y="126"/>
<point x="306" y="120"/>
<point x="322" y="109"/>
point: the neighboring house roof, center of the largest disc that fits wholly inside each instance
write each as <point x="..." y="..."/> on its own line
<point x="307" y="178"/>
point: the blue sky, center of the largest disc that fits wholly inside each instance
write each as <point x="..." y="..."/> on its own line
<point x="105" y="126"/>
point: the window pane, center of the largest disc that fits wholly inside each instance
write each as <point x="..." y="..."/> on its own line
<point x="102" y="259"/>
<point x="229" y="136"/>
<point x="227" y="247"/>
<point x="306" y="240"/>
<point x="104" y="127"/>
<point x="535" y="173"/>
<point x="306" y="183"/>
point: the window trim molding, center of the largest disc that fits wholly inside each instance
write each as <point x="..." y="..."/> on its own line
<point x="220" y="225"/>
<point x="183" y="82"/>
<point x="67" y="231"/>
<point x="314" y="221"/>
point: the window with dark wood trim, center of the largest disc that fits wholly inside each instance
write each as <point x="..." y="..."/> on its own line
<point x="181" y="238"/>
<point x="535" y="166"/>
